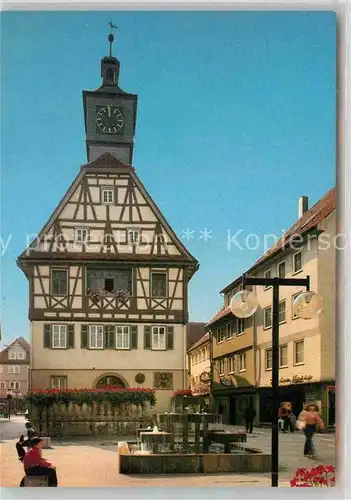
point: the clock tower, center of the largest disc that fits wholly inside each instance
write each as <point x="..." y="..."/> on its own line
<point x="110" y="115"/>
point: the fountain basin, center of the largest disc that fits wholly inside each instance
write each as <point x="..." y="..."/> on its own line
<point x="251" y="461"/>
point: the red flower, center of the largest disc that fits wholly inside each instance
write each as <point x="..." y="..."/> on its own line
<point x="317" y="476"/>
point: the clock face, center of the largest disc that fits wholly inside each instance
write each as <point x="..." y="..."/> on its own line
<point x="109" y="120"/>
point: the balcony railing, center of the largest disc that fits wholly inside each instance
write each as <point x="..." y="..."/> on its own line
<point x="109" y="300"/>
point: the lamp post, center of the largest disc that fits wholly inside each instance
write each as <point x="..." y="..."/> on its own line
<point x="244" y="304"/>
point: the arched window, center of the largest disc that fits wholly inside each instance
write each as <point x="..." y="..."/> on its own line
<point x="110" y="76"/>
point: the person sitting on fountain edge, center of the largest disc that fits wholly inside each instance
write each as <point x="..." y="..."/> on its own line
<point x="35" y="465"/>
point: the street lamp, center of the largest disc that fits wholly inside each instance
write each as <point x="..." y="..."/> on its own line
<point x="244" y="304"/>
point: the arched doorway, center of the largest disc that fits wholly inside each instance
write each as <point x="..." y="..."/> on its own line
<point x="110" y="381"/>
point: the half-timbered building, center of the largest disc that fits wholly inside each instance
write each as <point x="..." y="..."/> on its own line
<point x="108" y="277"/>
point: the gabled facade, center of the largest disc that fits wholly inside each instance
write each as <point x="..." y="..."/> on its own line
<point x="307" y="347"/>
<point x="108" y="276"/>
<point x="14" y="369"/>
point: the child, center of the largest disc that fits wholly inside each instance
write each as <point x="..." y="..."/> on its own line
<point x="20" y="448"/>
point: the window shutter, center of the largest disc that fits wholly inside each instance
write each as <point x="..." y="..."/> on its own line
<point x="109" y="336"/>
<point x="84" y="337"/>
<point x="134" y="337"/>
<point x="47" y="336"/>
<point x="70" y="340"/>
<point x="170" y="330"/>
<point x="105" y="340"/>
<point x="147" y="337"/>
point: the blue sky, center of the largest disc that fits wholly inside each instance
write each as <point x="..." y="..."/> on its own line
<point x="236" y="120"/>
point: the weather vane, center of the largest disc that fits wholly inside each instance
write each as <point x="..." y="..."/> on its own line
<point x="110" y="36"/>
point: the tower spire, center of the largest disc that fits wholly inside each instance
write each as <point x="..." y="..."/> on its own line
<point x="109" y="64"/>
<point x="111" y="37"/>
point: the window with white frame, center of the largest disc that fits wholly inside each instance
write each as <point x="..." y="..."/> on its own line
<point x="2" y="384"/>
<point x="293" y="315"/>
<point x="59" y="336"/>
<point x="14" y="386"/>
<point x="159" y="338"/>
<point x="221" y="366"/>
<point x="159" y="284"/>
<point x="269" y="359"/>
<point x="96" y="337"/>
<point x="58" y="382"/>
<point x="267" y="317"/>
<point x="133" y="236"/>
<point x="107" y="195"/>
<point x="267" y="274"/>
<point x="230" y="332"/>
<point x="282" y="311"/>
<point x="241" y="326"/>
<point x="283" y="356"/>
<point x="297" y="262"/>
<point x="242" y="362"/>
<point x="122" y="337"/>
<point x="81" y="234"/>
<point x="14" y="369"/>
<point x="281" y="269"/>
<point x="12" y="355"/>
<point x="21" y="355"/>
<point x="231" y="364"/>
<point x="299" y="352"/>
<point x="59" y="281"/>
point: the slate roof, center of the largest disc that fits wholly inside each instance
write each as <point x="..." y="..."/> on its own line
<point x="106" y="160"/>
<point x="194" y="332"/>
<point x="205" y="338"/>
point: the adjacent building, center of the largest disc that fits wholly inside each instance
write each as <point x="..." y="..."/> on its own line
<point x="108" y="277"/>
<point x="199" y="363"/>
<point x="233" y="356"/>
<point x="307" y="347"/>
<point x="14" y="371"/>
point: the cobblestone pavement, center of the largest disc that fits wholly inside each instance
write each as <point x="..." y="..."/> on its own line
<point x="94" y="463"/>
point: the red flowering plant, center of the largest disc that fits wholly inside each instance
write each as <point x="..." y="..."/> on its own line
<point x="322" y="476"/>
<point x="118" y="396"/>
<point x="182" y="392"/>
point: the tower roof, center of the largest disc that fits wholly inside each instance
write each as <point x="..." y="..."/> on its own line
<point x="106" y="160"/>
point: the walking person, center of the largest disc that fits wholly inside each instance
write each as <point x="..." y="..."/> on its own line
<point x="250" y="414"/>
<point x="285" y="413"/>
<point x="308" y="421"/>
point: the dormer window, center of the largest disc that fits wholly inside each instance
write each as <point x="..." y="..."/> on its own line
<point x="107" y="195"/>
<point x="133" y="236"/>
<point x="81" y="234"/>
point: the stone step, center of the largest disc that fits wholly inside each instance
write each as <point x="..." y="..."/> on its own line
<point x="35" y="481"/>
